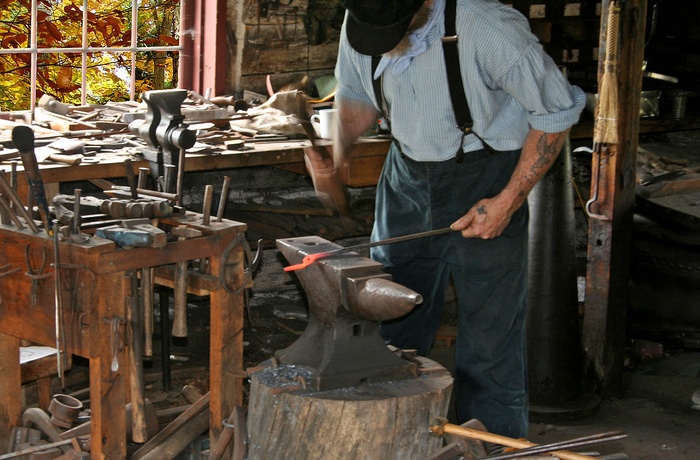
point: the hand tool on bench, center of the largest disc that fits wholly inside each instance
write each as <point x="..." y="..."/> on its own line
<point x="35" y="272"/>
<point x="76" y="220"/>
<point x="131" y="178"/>
<point x="206" y="204"/>
<point x="223" y="199"/>
<point x="180" y="284"/>
<point x="142" y="180"/>
<point x="134" y="317"/>
<point x="180" y="176"/>
<point x="311" y="258"/>
<point x="23" y="138"/>
<point x="46" y="153"/>
<point x="7" y="214"/>
<point x="168" y="176"/>
<point x="440" y="426"/>
<point x="147" y="307"/>
<point x="134" y="233"/>
<point x="58" y="301"/>
<point x="13" y="175"/>
<point x="17" y="205"/>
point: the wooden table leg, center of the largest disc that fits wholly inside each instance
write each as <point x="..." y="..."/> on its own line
<point x="226" y="340"/>
<point x="10" y="388"/>
<point x="107" y="377"/>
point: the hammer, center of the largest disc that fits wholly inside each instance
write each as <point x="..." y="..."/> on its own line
<point x="439" y="426"/>
<point x="180" y="289"/>
<point x="23" y="138"/>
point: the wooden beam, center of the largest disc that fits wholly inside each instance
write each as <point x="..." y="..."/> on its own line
<point x="609" y="245"/>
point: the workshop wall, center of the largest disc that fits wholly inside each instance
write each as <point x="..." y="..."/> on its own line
<point x="291" y="39"/>
<point x="286" y="39"/>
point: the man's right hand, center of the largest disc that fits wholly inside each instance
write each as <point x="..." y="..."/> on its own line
<point x="327" y="184"/>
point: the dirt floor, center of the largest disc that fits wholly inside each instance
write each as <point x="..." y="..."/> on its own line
<point x="655" y="412"/>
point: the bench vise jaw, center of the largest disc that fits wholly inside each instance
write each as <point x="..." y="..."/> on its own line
<point x="163" y="129"/>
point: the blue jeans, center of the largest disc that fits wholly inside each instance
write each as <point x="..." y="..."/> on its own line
<point x="490" y="279"/>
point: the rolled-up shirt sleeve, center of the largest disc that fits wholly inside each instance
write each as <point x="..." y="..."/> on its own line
<point x="551" y="103"/>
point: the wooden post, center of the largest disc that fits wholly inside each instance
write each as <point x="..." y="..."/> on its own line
<point x="609" y="245"/>
<point x="226" y="306"/>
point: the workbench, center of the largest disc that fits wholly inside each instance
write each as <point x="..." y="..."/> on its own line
<point x="366" y="160"/>
<point x="94" y="312"/>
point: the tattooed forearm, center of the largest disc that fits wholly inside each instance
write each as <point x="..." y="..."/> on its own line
<point x="538" y="154"/>
<point x="547" y="147"/>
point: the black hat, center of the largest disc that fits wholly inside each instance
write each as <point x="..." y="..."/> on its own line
<point x="375" y="27"/>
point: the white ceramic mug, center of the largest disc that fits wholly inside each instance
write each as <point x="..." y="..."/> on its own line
<point x="323" y="122"/>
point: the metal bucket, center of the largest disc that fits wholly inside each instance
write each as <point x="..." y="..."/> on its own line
<point x="678" y="103"/>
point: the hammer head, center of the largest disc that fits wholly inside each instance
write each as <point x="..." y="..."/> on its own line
<point x="184" y="231"/>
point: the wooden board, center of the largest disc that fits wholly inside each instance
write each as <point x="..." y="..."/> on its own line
<point x="386" y="420"/>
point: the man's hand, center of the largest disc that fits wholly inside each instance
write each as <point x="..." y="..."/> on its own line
<point x="353" y="119"/>
<point x="329" y="189"/>
<point x="487" y="219"/>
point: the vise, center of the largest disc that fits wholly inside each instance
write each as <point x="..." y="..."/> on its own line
<point x="163" y="129"/>
<point x="347" y="295"/>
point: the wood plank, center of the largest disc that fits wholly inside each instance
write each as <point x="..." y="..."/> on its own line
<point x="609" y="245"/>
<point x="11" y="409"/>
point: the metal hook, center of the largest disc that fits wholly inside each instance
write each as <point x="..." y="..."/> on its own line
<point x="595" y="183"/>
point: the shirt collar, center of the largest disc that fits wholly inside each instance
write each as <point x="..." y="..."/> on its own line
<point x="419" y="38"/>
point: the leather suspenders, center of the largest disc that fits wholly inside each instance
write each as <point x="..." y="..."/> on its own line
<point x="460" y="107"/>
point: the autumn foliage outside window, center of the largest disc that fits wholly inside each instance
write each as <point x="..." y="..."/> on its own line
<point x="86" y="52"/>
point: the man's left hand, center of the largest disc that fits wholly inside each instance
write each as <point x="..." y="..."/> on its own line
<point x="487" y="219"/>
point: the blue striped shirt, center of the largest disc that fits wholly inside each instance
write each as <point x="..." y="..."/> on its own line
<point x="511" y="86"/>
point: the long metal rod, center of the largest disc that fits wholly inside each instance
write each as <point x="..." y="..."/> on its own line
<point x="396" y="239"/>
<point x="60" y="337"/>
<point x="308" y="260"/>
<point x="39" y="448"/>
<point x="561" y="445"/>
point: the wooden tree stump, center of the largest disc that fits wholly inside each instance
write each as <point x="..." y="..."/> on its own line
<point x="387" y="420"/>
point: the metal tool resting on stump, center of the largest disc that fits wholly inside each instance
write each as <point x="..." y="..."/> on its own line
<point x="348" y="295"/>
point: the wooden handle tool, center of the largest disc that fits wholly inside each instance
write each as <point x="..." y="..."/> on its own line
<point x="23" y="138"/>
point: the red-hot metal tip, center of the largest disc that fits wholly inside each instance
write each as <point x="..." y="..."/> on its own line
<point x="308" y="260"/>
